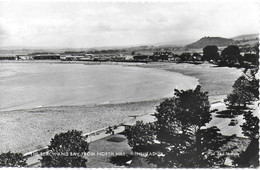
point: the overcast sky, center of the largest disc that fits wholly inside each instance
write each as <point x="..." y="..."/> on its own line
<point x="90" y="24"/>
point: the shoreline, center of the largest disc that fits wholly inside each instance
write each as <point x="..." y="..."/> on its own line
<point x="82" y="117"/>
<point x="72" y="62"/>
<point x="82" y="105"/>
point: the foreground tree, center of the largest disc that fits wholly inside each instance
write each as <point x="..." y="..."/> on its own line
<point x="10" y="159"/>
<point x="250" y="157"/>
<point x="180" y="130"/>
<point x="189" y="108"/>
<point x="251" y="126"/>
<point x="66" y="150"/>
<point x="180" y="125"/>
<point x="140" y="136"/>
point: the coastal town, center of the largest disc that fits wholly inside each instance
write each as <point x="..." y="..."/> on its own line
<point x="247" y="51"/>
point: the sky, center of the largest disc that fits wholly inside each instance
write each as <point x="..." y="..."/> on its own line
<point x="84" y="24"/>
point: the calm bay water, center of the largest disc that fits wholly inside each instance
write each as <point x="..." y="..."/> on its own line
<point x="30" y="85"/>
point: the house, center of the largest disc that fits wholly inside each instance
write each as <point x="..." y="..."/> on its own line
<point x="161" y="55"/>
<point x="7" y="57"/>
<point x="141" y="57"/>
<point x="128" y="57"/>
<point x="24" y="57"/>
<point x="72" y="58"/>
<point x="46" y="57"/>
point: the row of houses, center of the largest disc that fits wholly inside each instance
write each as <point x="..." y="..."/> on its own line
<point x="92" y="57"/>
<point x="86" y="57"/>
<point x="157" y="56"/>
<point x="169" y="56"/>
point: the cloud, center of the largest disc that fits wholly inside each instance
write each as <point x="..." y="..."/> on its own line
<point x="91" y="24"/>
<point x="2" y="32"/>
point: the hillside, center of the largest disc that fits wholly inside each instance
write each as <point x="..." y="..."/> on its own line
<point x="246" y="37"/>
<point x="205" y="41"/>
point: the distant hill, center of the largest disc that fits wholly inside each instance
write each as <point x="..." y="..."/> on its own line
<point x="246" y="37"/>
<point x="175" y="43"/>
<point x="205" y="41"/>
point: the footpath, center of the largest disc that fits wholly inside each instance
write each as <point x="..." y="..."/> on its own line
<point x="33" y="157"/>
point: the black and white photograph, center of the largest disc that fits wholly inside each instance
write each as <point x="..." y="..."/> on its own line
<point x="129" y="84"/>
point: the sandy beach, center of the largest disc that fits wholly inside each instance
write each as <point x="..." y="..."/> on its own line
<point x="217" y="81"/>
<point x="28" y="129"/>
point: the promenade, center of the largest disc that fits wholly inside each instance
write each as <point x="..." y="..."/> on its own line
<point x="92" y="137"/>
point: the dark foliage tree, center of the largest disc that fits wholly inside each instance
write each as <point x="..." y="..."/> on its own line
<point x="250" y="157"/>
<point x="66" y="150"/>
<point x="196" y="56"/>
<point x="251" y="75"/>
<point x="10" y="159"/>
<point x="253" y="58"/>
<point x="141" y="57"/>
<point x="256" y="59"/>
<point x="198" y="150"/>
<point x="241" y="94"/>
<point x="140" y="136"/>
<point x="231" y="54"/>
<point x="245" y="90"/>
<point x="188" y="108"/>
<point x="180" y="129"/>
<point x="185" y="56"/>
<point x="210" y="53"/>
<point x="251" y="126"/>
<point x="179" y="122"/>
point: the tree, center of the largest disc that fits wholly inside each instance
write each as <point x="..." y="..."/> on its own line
<point x="180" y="130"/>
<point x="180" y="122"/>
<point x="210" y="53"/>
<point x="241" y="93"/>
<point x="140" y="57"/>
<point x="251" y="75"/>
<point x="196" y="56"/>
<point x="256" y="47"/>
<point x="140" y="136"/>
<point x="10" y="159"/>
<point x="250" y="157"/>
<point x="199" y="150"/>
<point x="231" y="54"/>
<point x="66" y="150"/>
<point x="188" y="108"/>
<point x="251" y="126"/>
<point x="245" y="90"/>
<point x="185" y="56"/>
<point x="252" y="58"/>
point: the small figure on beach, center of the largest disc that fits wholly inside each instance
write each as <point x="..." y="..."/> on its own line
<point x="110" y="130"/>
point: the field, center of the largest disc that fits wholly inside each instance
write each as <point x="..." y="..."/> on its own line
<point x="26" y="130"/>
